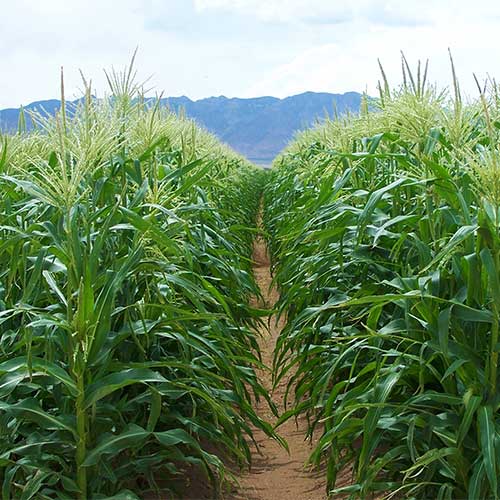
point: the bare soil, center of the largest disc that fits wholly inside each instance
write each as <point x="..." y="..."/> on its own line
<point x="277" y="474"/>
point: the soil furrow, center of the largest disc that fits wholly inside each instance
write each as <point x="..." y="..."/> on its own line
<point x="277" y="474"/>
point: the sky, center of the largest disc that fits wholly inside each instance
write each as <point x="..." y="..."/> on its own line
<point x="241" y="48"/>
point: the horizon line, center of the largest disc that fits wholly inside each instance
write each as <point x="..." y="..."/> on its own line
<point x="183" y="96"/>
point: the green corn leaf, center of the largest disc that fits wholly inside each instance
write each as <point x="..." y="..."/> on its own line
<point x="30" y="409"/>
<point x="111" y="383"/>
<point x="457" y="239"/>
<point x="488" y="434"/>
<point x="476" y="482"/>
<point x="49" y="278"/>
<point x="111" y="444"/>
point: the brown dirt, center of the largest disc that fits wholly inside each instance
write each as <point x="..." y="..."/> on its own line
<point x="275" y="473"/>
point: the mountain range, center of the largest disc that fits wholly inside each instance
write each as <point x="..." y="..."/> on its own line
<point x="258" y="128"/>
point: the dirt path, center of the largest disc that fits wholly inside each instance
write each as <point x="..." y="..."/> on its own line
<point x="277" y="475"/>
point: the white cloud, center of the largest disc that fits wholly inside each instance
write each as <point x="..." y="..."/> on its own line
<point x="239" y="47"/>
<point x="279" y="10"/>
<point x="39" y="37"/>
<point x="377" y="11"/>
<point x="351" y="62"/>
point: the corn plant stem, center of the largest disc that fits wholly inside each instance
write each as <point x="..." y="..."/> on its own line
<point x="494" y="354"/>
<point x="81" y="444"/>
<point x="494" y="342"/>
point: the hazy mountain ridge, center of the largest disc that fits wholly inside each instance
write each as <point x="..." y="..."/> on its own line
<point x="257" y="127"/>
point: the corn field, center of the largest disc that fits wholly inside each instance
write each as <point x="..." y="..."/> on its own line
<point x="385" y="237"/>
<point x="129" y="352"/>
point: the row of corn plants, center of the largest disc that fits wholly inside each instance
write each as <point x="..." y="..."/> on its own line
<point x="127" y="345"/>
<point x="384" y="230"/>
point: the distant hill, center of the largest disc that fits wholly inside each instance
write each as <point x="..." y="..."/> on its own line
<point x="259" y="128"/>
